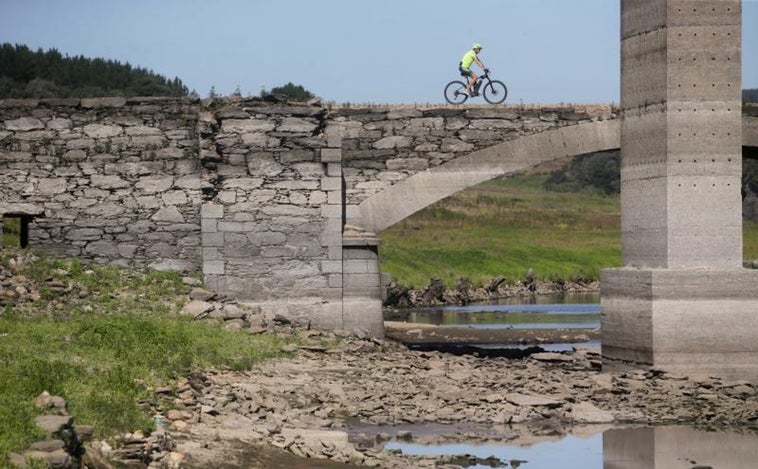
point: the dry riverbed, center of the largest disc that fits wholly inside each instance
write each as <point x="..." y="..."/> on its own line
<point x="307" y="404"/>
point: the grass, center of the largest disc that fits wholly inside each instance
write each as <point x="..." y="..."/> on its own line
<point x="750" y="240"/>
<point x="102" y="349"/>
<point x="11" y="232"/>
<point x="506" y="227"/>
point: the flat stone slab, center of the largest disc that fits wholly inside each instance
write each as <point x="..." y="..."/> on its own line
<point x="532" y="400"/>
<point x="54" y="423"/>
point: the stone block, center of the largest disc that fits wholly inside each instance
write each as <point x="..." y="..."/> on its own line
<point x="243" y="126"/>
<point x="211" y="254"/>
<point x="213" y="239"/>
<point x="335" y="169"/>
<point x="363" y="313"/>
<point x="359" y="281"/>
<point x="168" y="214"/>
<point x="213" y="268"/>
<point x="331" y="184"/>
<point x="24" y="124"/>
<point x="103" y="102"/>
<point x="329" y="267"/>
<point x="102" y="131"/>
<point x="335" y="281"/>
<point x="211" y="210"/>
<point x="331" y="155"/>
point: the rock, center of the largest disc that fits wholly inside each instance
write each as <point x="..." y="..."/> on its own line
<point x="198" y="309"/>
<point x="47" y="446"/>
<point x="58" y="459"/>
<point x="206" y="409"/>
<point x="17" y="460"/>
<point x="279" y="319"/>
<point x="180" y="425"/>
<point x="552" y="357"/>
<point x="532" y="400"/>
<point x="586" y="412"/>
<point x="53" y="424"/>
<point x="232" y="311"/>
<point x="201" y="294"/>
<point x="234" y="325"/>
<point x="404" y="435"/>
<point x="84" y="432"/>
<point x="44" y="400"/>
<point x="191" y="281"/>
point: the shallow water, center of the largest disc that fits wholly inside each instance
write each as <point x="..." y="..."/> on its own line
<point x="601" y="447"/>
<point x="539" y="312"/>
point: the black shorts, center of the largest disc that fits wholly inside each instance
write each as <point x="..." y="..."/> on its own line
<point x="466" y="72"/>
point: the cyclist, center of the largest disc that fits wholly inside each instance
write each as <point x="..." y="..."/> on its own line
<point x="465" y="67"/>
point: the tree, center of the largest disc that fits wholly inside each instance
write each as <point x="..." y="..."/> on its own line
<point x="750" y="95"/>
<point x="292" y="92"/>
<point x="596" y="171"/>
<point x="45" y="74"/>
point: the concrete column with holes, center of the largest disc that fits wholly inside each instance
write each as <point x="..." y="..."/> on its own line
<point x="681" y="300"/>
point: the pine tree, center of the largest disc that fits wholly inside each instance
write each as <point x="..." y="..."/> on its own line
<point x="44" y="74"/>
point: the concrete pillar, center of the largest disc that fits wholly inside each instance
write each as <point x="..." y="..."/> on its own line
<point x="681" y="301"/>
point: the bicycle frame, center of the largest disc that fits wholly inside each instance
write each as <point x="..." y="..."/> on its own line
<point x="494" y="91"/>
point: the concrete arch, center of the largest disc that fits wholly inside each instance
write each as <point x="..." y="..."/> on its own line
<point x="390" y="206"/>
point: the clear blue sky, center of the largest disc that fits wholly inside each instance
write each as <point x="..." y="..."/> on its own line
<point x="388" y="51"/>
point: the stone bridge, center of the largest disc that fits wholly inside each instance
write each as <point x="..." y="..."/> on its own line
<point x="280" y="205"/>
<point x="276" y="204"/>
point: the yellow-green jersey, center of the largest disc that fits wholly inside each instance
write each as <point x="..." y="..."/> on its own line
<point x="468" y="58"/>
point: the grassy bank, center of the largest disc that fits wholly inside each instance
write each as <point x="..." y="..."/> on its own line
<point x="100" y="337"/>
<point x="506" y="227"/>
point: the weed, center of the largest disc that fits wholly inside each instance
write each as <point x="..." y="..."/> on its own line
<point x="99" y="360"/>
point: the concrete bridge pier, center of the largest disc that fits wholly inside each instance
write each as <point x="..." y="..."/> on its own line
<point x="682" y="301"/>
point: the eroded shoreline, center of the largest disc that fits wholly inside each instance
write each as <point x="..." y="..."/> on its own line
<point x="305" y="403"/>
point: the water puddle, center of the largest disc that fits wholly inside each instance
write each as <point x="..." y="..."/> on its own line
<point x="540" y="312"/>
<point x="600" y="447"/>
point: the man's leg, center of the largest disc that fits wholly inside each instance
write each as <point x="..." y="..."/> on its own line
<point x="472" y="80"/>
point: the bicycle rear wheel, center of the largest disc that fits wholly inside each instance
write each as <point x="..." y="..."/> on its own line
<point x="453" y="93"/>
<point x="495" y="92"/>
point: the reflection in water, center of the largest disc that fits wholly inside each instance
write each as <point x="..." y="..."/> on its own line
<point x="678" y="447"/>
<point x="617" y="448"/>
<point x="539" y="312"/>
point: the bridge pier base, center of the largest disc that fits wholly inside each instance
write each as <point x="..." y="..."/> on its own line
<point x="361" y="282"/>
<point x="695" y="322"/>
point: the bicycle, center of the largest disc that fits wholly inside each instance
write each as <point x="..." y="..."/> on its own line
<point x="494" y="91"/>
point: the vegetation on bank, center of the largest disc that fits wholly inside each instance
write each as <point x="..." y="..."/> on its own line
<point x="505" y="227"/>
<point x="100" y="337"/>
<point x="558" y="226"/>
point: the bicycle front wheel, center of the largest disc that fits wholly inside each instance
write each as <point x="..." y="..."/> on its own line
<point x="495" y="92"/>
<point x="453" y="92"/>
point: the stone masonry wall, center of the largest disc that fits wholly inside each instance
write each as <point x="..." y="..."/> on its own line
<point x="113" y="180"/>
<point x="253" y="194"/>
<point x="275" y="207"/>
